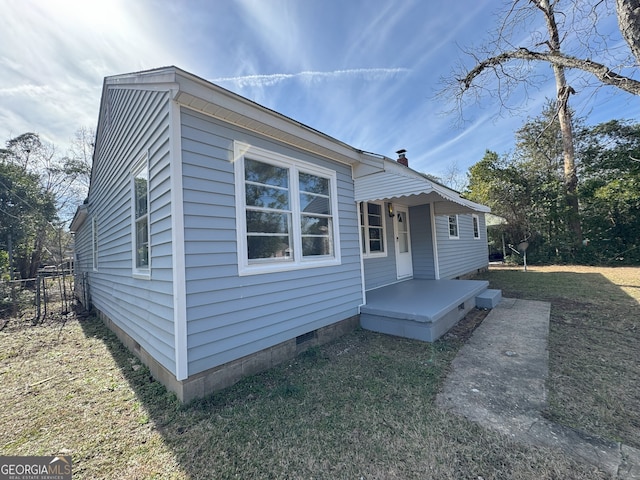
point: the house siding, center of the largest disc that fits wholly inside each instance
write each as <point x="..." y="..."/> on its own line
<point x="380" y="271"/>
<point x="137" y="121"/>
<point x="230" y="316"/>
<point x="422" y="242"/>
<point x="466" y="254"/>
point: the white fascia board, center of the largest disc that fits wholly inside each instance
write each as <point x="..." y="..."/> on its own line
<point x="78" y="218"/>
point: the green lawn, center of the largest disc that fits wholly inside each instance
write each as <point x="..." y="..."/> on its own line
<point x="360" y="407"/>
<point x="594" y="344"/>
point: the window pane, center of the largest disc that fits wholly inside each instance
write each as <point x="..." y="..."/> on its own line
<point x="259" y="172"/>
<point x="263" y="222"/>
<point x="374" y="215"/>
<point x="403" y="242"/>
<point x="142" y="243"/>
<point x="313" y="246"/>
<point x="314" y="204"/>
<point x="273" y="247"/>
<point x="314" y="225"/>
<point x="313" y="184"/>
<point x="142" y="256"/>
<point x="375" y="233"/>
<point x="267" y="197"/>
<point x="141" y="188"/>
<point x="375" y="246"/>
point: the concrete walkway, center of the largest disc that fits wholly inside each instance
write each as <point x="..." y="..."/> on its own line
<point x="498" y="380"/>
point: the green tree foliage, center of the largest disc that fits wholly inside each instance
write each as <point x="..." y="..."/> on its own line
<point x="526" y="189"/>
<point x="610" y="191"/>
<point x="39" y="193"/>
<point x="25" y="210"/>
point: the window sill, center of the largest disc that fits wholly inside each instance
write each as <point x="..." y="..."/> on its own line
<point x="375" y="255"/>
<point x="245" y="270"/>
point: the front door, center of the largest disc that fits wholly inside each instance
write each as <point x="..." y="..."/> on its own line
<point x="404" y="264"/>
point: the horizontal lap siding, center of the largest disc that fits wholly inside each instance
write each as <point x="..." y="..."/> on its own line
<point x="231" y="316"/>
<point x="137" y="121"/>
<point x="466" y="254"/>
<point x="421" y="242"/>
<point x="379" y="271"/>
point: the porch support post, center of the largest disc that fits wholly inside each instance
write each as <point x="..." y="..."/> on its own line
<point x="434" y="241"/>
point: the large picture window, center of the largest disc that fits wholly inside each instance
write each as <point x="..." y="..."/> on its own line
<point x="286" y="211"/>
<point x="372" y="229"/>
<point x="140" y="213"/>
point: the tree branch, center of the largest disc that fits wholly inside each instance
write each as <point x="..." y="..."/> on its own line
<point x="600" y="71"/>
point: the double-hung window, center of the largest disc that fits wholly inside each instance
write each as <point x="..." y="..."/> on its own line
<point x="372" y="229"/>
<point x="476" y="226"/>
<point x="286" y="212"/>
<point x="140" y="214"/>
<point x="453" y="226"/>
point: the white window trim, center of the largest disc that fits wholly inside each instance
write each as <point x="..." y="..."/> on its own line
<point x="364" y="216"/>
<point x="94" y="243"/>
<point x="140" y="164"/>
<point x="240" y="149"/>
<point x="475" y="219"/>
<point x="453" y="237"/>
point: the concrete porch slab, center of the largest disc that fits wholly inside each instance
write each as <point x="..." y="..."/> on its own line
<point x="420" y="309"/>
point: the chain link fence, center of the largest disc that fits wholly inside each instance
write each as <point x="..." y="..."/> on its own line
<point x="48" y="295"/>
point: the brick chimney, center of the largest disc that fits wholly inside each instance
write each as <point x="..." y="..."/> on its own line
<point x="402" y="160"/>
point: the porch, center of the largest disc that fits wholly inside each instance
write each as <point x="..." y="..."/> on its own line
<point x="423" y="309"/>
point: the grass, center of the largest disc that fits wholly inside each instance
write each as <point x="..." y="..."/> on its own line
<point x="594" y="344"/>
<point x="362" y="407"/>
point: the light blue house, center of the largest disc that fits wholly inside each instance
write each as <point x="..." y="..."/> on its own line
<point x="220" y="238"/>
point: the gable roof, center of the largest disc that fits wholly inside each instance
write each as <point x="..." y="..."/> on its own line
<point x="376" y="177"/>
<point x="195" y="93"/>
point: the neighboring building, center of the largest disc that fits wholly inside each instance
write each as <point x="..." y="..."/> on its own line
<point x="220" y="237"/>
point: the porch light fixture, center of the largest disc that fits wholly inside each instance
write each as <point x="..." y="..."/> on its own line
<point x="390" y="209"/>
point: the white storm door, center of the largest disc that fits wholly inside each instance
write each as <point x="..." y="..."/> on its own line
<point x="404" y="264"/>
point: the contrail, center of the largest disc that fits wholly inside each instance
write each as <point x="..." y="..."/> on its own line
<point x="275" y="78"/>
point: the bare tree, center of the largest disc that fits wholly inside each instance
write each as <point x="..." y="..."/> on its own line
<point x="453" y="177"/>
<point x="80" y="158"/>
<point x="565" y="44"/>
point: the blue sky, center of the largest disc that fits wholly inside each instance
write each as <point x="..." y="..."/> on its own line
<point x="363" y="71"/>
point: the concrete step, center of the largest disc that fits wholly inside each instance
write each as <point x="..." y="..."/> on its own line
<point x="489" y="298"/>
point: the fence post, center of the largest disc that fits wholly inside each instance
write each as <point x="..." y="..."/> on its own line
<point x="37" y="318"/>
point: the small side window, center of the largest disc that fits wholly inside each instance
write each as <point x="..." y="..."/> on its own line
<point x="372" y="229"/>
<point x="94" y="242"/>
<point x="476" y="226"/>
<point x="453" y="226"/>
<point x="140" y="218"/>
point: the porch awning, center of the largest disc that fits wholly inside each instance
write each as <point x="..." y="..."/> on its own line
<point x="401" y="184"/>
